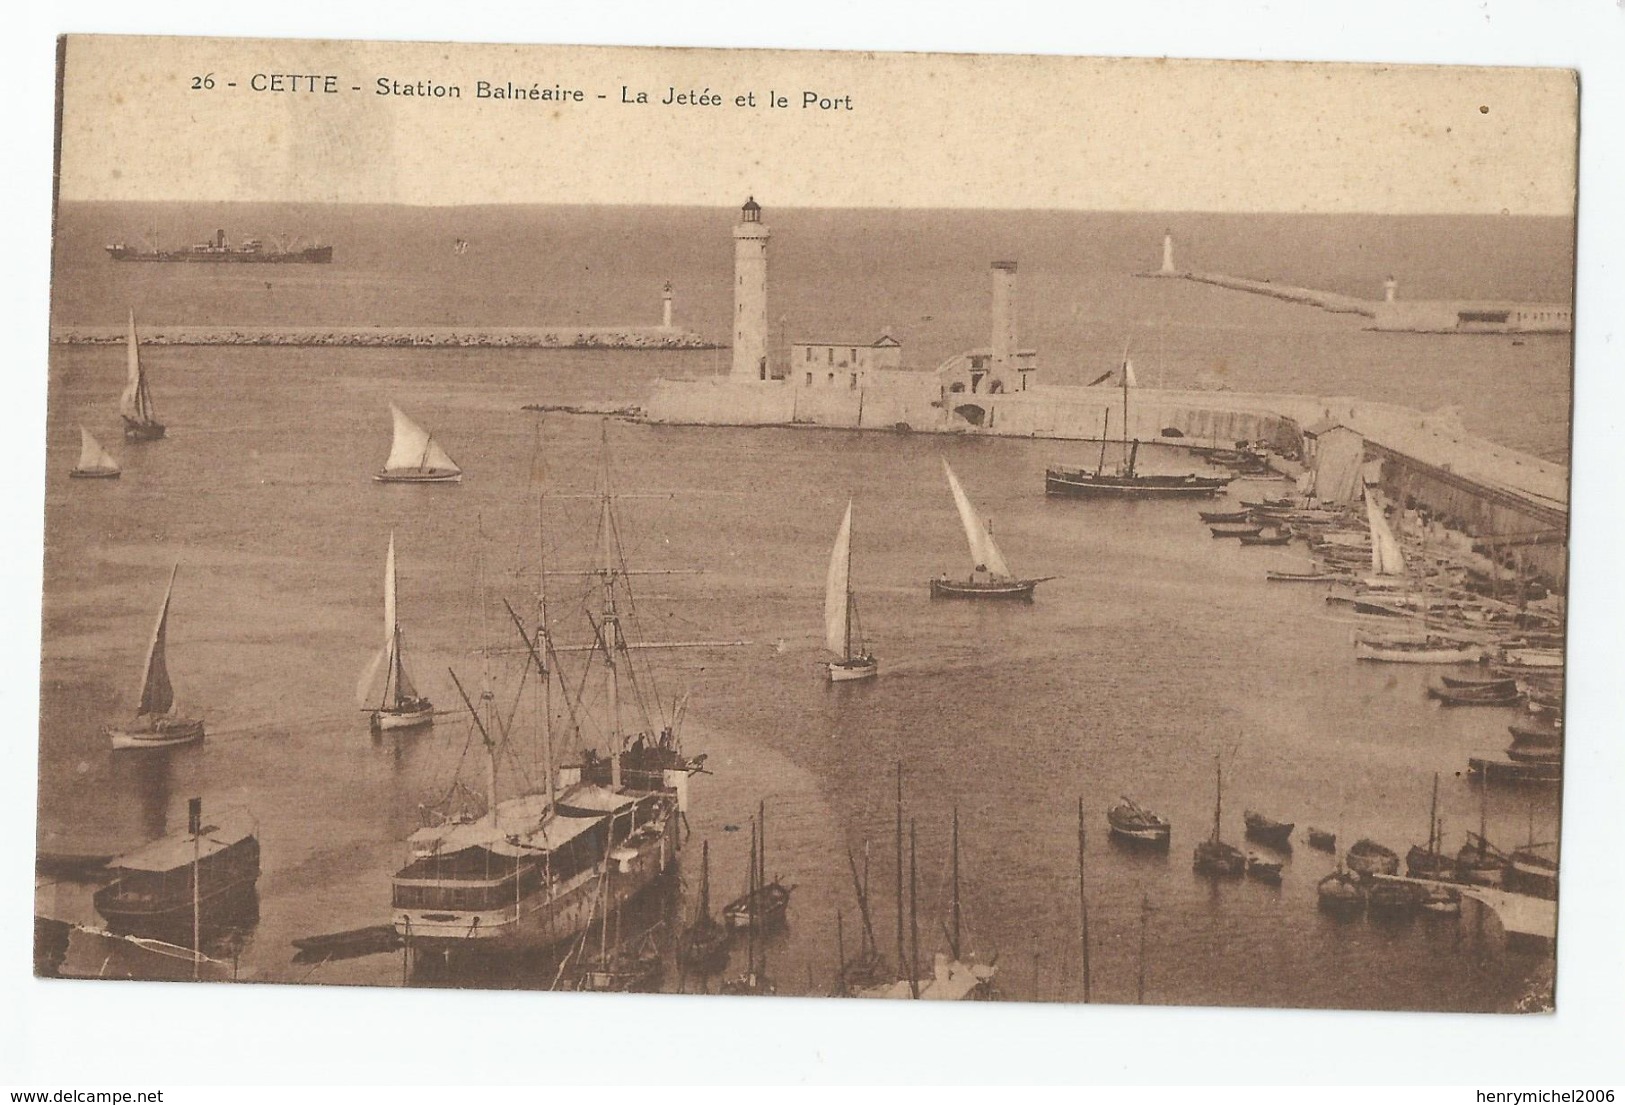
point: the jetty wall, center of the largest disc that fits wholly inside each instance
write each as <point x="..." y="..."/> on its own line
<point x="509" y="337"/>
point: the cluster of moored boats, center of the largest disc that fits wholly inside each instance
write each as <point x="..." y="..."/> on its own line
<point x="1367" y="876"/>
<point x="1422" y="605"/>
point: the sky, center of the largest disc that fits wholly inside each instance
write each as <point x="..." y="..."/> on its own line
<point x="199" y="119"/>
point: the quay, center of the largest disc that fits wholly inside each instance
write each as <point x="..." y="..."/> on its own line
<point x="1505" y="504"/>
<point x="1390" y="313"/>
<point x="395" y="337"/>
<point x="1522" y="916"/>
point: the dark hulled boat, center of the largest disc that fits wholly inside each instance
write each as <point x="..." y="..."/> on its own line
<point x="990" y="576"/>
<point x="216" y="250"/>
<point x="1340" y="893"/>
<point x="1213" y="856"/>
<point x="1321" y="840"/>
<point x="1366" y="858"/>
<point x="1131" y="821"/>
<point x="1265" y="830"/>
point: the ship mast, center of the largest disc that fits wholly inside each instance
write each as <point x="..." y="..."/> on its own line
<point x="609" y="621"/>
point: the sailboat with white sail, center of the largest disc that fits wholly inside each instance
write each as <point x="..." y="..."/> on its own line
<point x="399" y="705"/>
<point x="135" y="405"/>
<point x="94" y="462"/>
<point x="990" y="576"/>
<point x="156" y="725"/>
<point x="841" y="613"/>
<point x="415" y="456"/>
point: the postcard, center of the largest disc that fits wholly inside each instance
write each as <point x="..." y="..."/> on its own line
<point x="865" y="526"/>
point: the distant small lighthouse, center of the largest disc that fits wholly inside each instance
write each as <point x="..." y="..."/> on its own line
<point x="1168" y="252"/>
<point x="1390" y="290"/>
<point x="750" y="294"/>
<point x="665" y="306"/>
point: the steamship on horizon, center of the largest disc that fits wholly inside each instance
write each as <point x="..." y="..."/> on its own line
<point x="251" y="251"/>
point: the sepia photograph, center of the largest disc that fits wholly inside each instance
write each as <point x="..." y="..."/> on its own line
<point x="815" y="524"/>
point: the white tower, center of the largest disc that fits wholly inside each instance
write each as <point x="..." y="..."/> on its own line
<point x="750" y="294"/>
<point x="1004" y="321"/>
<point x="1168" y="252"/>
<point x="1390" y="290"/>
<point x="665" y="306"/>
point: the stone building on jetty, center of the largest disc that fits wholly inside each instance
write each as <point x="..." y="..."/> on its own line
<point x="1512" y="504"/>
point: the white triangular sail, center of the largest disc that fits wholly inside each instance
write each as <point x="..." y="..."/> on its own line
<point x="413" y="449"/>
<point x="157" y="696"/>
<point x="92" y="457"/>
<point x="984" y="553"/>
<point x="135" y="404"/>
<point x="837" y="588"/>
<point x="1386" y="557"/>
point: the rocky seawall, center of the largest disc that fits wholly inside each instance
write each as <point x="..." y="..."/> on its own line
<point x="396" y="337"/>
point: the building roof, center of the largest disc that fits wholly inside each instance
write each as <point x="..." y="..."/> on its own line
<point x="169" y="853"/>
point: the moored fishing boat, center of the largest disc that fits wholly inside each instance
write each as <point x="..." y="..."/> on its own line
<point x="1278" y="538"/>
<point x="1216" y="517"/>
<point x="1481" y="863"/>
<point x="1434" y="650"/>
<point x="841" y="613"/>
<point x="1303" y="577"/>
<point x="399" y="706"/>
<point x="703" y="946"/>
<point x="1238" y="530"/>
<point x="1487" y="694"/>
<point x="1391" y="898"/>
<point x="415" y="456"/>
<point x="1264" y="870"/>
<point x="990" y="576"/>
<point x="1322" y="840"/>
<point x="156" y="725"/>
<point x="1127" y="482"/>
<point x="1213" y="856"/>
<point x="1533" y="870"/>
<point x="94" y="462"/>
<point x="1131" y="821"/>
<point x="1340" y="893"/>
<point x="1266" y="830"/>
<point x="1493" y="769"/>
<point x="1366" y="858"/>
<point x="135" y="405"/>
<point x="763" y="905"/>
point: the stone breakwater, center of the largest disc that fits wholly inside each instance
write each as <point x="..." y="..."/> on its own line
<point x="1330" y="301"/>
<point x="396" y="337"/>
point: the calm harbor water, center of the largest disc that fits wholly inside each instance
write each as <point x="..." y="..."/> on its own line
<point x="1154" y="650"/>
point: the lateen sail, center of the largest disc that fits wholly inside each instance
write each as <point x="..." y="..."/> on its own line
<point x="984" y="553"/>
<point x="92" y="457"/>
<point x="157" y="696"/>
<point x="135" y="404"/>
<point x="413" y="449"/>
<point x="1386" y="557"/>
<point x="837" y="610"/>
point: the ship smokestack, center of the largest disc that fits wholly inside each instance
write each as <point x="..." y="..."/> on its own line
<point x="1168" y="252"/>
<point x="1004" y="319"/>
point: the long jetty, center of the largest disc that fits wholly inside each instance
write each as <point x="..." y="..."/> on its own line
<point x="1314" y="297"/>
<point x="394" y="337"/>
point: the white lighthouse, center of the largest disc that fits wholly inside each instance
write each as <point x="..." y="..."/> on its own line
<point x="665" y="307"/>
<point x="1003" y="347"/>
<point x="1168" y="251"/>
<point x="1390" y="290"/>
<point x="750" y="294"/>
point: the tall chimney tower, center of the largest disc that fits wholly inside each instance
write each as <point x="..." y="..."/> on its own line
<point x="665" y="306"/>
<point x="1168" y="252"/>
<point x="750" y="294"/>
<point x="1004" y="321"/>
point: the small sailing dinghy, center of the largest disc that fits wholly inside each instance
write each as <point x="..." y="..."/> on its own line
<point x="94" y="461"/>
<point x="399" y="704"/>
<point x="841" y="612"/>
<point x="990" y="576"/>
<point x="135" y="405"/>
<point x="155" y="725"/>
<point x="415" y="456"/>
<point x="1214" y="857"/>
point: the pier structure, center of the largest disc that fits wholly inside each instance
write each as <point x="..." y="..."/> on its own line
<point x="1419" y="316"/>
